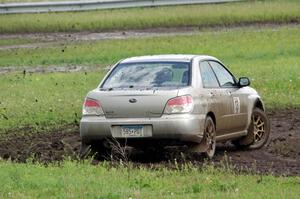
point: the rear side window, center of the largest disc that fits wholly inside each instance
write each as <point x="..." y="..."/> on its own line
<point x="149" y="74"/>
<point x="224" y="77"/>
<point x="208" y="77"/>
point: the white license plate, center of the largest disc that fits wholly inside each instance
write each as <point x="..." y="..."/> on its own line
<point x="132" y="131"/>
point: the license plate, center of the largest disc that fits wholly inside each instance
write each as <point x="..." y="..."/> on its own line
<point x="132" y="131"/>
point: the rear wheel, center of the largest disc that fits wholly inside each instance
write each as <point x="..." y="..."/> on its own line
<point x="209" y="137"/>
<point x="95" y="148"/>
<point x="258" y="131"/>
<point x="207" y="146"/>
<point x="85" y="150"/>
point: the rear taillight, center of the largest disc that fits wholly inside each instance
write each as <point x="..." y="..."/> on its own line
<point x="91" y="107"/>
<point x="181" y="104"/>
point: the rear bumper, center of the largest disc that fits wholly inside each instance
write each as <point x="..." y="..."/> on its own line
<point x="182" y="127"/>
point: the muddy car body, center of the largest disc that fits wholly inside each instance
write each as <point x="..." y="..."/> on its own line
<point x="174" y="99"/>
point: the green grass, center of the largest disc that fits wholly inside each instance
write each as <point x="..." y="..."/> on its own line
<point x="43" y="100"/>
<point x="271" y="58"/>
<point x="241" y="45"/>
<point x="15" y="41"/>
<point x="73" y="180"/>
<point x="140" y="18"/>
<point x="16" y="1"/>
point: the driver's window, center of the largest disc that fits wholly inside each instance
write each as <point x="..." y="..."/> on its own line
<point x="224" y="77"/>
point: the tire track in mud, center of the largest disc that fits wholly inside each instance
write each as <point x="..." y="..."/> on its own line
<point x="281" y="156"/>
<point x="41" y="40"/>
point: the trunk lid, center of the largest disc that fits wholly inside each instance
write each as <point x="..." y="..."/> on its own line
<point x="134" y="103"/>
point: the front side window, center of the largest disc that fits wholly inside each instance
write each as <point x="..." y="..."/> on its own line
<point x="149" y="74"/>
<point x="208" y="77"/>
<point x="224" y="77"/>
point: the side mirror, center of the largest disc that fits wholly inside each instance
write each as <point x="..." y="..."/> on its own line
<point x="244" y="81"/>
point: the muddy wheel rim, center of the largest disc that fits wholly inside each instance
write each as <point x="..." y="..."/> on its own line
<point x="258" y="128"/>
<point x="210" y="139"/>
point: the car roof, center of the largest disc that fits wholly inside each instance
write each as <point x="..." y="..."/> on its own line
<point x="167" y="57"/>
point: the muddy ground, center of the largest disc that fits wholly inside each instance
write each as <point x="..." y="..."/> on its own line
<point x="40" y="40"/>
<point x="281" y="156"/>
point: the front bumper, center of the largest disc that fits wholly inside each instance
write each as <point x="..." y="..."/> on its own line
<point x="182" y="127"/>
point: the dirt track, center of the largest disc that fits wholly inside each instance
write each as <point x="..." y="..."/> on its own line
<point x="40" y="40"/>
<point x="280" y="156"/>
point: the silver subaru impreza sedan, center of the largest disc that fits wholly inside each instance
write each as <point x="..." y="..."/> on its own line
<point x="167" y="100"/>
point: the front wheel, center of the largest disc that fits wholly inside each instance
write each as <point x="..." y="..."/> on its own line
<point x="258" y="131"/>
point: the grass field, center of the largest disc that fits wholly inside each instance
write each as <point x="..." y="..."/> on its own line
<point x="42" y="101"/>
<point x="269" y="57"/>
<point x="16" y="1"/>
<point x="73" y="180"/>
<point x="15" y="41"/>
<point x="141" y="18"/>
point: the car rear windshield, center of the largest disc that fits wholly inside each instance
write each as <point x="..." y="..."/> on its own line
<point x="148" y="75"/>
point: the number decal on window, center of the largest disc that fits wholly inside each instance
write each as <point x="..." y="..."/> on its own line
<point x="236" y="105"/>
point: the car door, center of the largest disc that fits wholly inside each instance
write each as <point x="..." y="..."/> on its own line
<point x="215" y="97"/>
<point x="236" y="117"/>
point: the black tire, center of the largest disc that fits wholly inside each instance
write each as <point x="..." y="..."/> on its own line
<point x="95" y="148"/>
<point x="258" y="131"/>
<point x="207" y="146"/>
<point x="85" y="150"/>
<point x="210" y="137"/>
